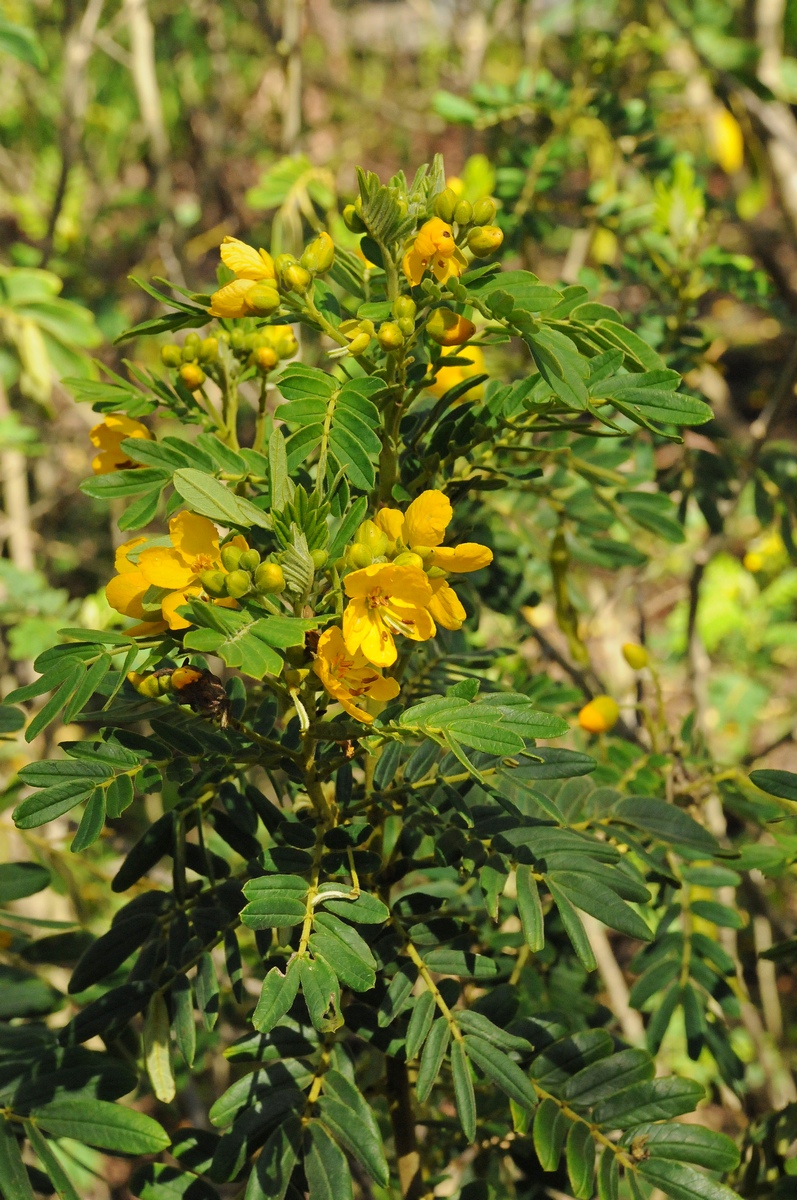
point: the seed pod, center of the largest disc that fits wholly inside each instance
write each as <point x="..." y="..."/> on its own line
<point x="358" y="556"/>
<point x="369" y="534"/>
<point x="390" y="336"/>
<point x="320" y="254"/>
<point x="192" y="376"/>
<point x="269" y="578"/>
<point x="408" y="559"/>
<point x="404" y="306"/>
<point x="463" y="213"/>
<point x="171" y="355"/>
<point x="320" y="558"/>
<point x="263" y="298"/>
<point x="484" y="211"/>
<point x="238" y="583"/>
<point x="265" y="358"/>
<point x="249" y="560"/>
<point x="208" y="350"/>
<point x="230" y="557"/>
<point x="447" y="328"/>
<point x="636" y="656"/>
<point x="352" y="219"/>
<point x="484" y="240"/>
<point x="445" y="204"/>
<point x="214" y="582"/>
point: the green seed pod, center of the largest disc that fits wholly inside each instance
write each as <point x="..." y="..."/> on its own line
<point x="192" y="376"/>
<point x="484" y="240"/>
<point x="369" y="534"/>
<point x="484" y="211"/>
<point x="445" y="204"/>
<point x="171" y="355"/>
<point x="249" y="560"/>
<point x="352" y="220"/>
<point x="238" y="583"/>
<point x="213" y="582"/>
<point x="230" y="557"/>
<point x="390" y="336"/>
<point x="269" y="579"/>
<point x="263" y="298"/>
<point x="404" y="306"/>
<point x="463" y="213"/>
<point x="208" y="350"/>
<point x="358" y="556"/>
<point x="320" y="558"/>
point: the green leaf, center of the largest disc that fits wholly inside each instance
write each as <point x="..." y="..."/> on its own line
<point x="665" y="822"/>
<point x="586" y="892"/>
<point x="21" y="43"/>
<point x="325" y="1165"/>
<point x="91" y="823"/>
<point x="655" y="1100"/>
<point x="434" y="1051"/>
<point x="608" y="1176"/>
<point x="346" y="529"/>
<point x="346" y="1113"/>
<point x="502" y="1070"/>
<point x="22" y="879"/>
<point x="321" y="992"/>
<point x="559" y="364"/>
<point x="637" y="350"/>
<point x="276" y="997"/>
<point x="530" y="909"/>
<point x="51" y="708"/>
<point x="528" y="293"/>
<point x="104" y="1125"/>
<point x="345" y="951"/>
<point x="275" y="1163"/>
<point x="206" y="989"/>
<point x="689" y="1144"/>
<point x="608" y="1077"/>
<point x="717" y="913"/>
<point x="463" y="1091"/>
<point x="282" y="488"/>
<point x="11" y="719"/>
<point x="207" y="496"/>
<point x="298" y="382"/>
<point x="364" y="909"/>
<point x="157" y="1181"/>
<point x="580" y="1158"/>
<point x="574" y="926"/>
<point x="14" y="1181"/>
<point x="157" y="1049"/>
<point x="183" y="1021"/>
<point x="52" y="802"/>
<point x="119" y="484"/>
<point x="273" y="910"/>
<point x="52" y="1165"/>
<point x="681" y="1182"/>
<point x="776" y="783"/>
<point x="423" y="1012"/>
<point x="654" y="512"/>
<point x="462" y="963"/>
<point x="549" y="1132"/>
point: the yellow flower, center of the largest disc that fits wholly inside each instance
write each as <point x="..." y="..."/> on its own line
<point x="424" y="525"/>
<point x="108" y="437"/>
<point x="251" y="267"/>
<point x="448" y="377"/>
<point x="726" y="140"/>
<point x="175" y="569"/>
<point x="600" y="715"/>
<point x="383" y="600"/>
<point x="348" y="676"/>
<point x="435" y="250"/>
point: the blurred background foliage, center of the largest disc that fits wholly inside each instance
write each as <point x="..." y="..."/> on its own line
<point x="647" y="151"/>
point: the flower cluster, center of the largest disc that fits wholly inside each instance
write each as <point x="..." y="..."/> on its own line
<point x="434" y="249"/>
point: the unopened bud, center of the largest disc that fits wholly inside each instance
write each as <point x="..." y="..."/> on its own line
<point x="269" y="579"/>
<point x="484" y="240"/>
<point x="463" y="213"/>
<point x="484" y="211"/>
<point x="360" y="344"/>
<point x="408" y="559"/>
<point x="213" y="582"/>
<point x="192" y="376"/>
<point x="445" y="204"/>
<point x="320" y="254"/>
<point x="265" y="357"/>
<point x="404" y="306"/>
<point x="636" y="656"/>
<point x="320" y="558"/>
<point x="238" y="583"/>
<point x="390" y="336"/>
<point x="171" y="355"/>
<point x="359" y="555"/>
<point x="295" y="676"/>
<point x="369" y="534"/>
<point x="208" y="350"/>
<point x="230" y="557"/>
<point x="263" y="298"/>
<point x="406" y="325"/>
<point x="447" y="328"/>
<point x="352" y="220"/>
<point x="296" y="279"/>
<point x="249" y="560"/>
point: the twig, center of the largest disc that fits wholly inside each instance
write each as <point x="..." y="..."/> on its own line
<point x="16" y="499"/>
<point x="631" y="1022"/>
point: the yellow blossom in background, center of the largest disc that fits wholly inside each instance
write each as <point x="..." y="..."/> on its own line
<point x="600" y="715"/>
<point x="448" y="377"/>
<point x="385" y="599"/>
<point x="175" y="570"/>
<point x="435" y="250"/>
<point x="251" y="267"/>
<point x="726" y="140"/>
<point x="422" y="529"/>
<point x="347" y="677"/>
<point x="766" y="554"/>
<point x="108" y="437"/>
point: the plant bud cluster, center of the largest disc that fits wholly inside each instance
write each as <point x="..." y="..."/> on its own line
<point x="483" y="237"/>
<point x="243" y="573"/>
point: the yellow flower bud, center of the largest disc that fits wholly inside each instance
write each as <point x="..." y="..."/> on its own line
<point x="171" y="355"/>
<point x="296" y="279"/>
<point x="360" y="344"/>
<point x="463" y="213"/>
<point x="282" y="262"/>
<point x="249" y="560"/>
<point x="230" y="557"/>
<point x="238" y="583"/>
<point x="447" y="328"/>
<point x="404" y="306"/>
<point x="390" y="336"/>
<point x="320" y="254"/>
<point x="265" y="357"/>
<point x="213" y="582"/>
<point x="369" y="534"/>
<point x="269" y="579"/>
<point x="484" y="240"/>
<point x="352" y="219"/>
<point x="600" y="715"/>
<point x="406" y="325"/>
<point x="445" y="204"/>
<point x="263" y="298"/>
<point x="208" y="350"/>
<point x="408" y="559"/>
<point x="192" y="376"/>
<point x="189" y="352"/>
<point x="484" y="211"/>
<point x="636" y="656"/>
<point x="359" y="555"/>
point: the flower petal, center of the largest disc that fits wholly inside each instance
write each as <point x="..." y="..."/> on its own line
<point x="384" y="689"/>
<point x="245" y="261"/>
<point x="125" y="593"/>
<point x="413" y="265"/>
<point x="194" y="537"/>
<point x="445" y="606"/>
<point x="391" y="522"/>
<point x="427" y="518"/>
<point x="172" y="602"/>
<point x="378" y="645"/>
<point x="165" y="568"/>
<point x="468" y="556"/>
<point x="229" y="300"/>
<point x="121" y="561"/>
